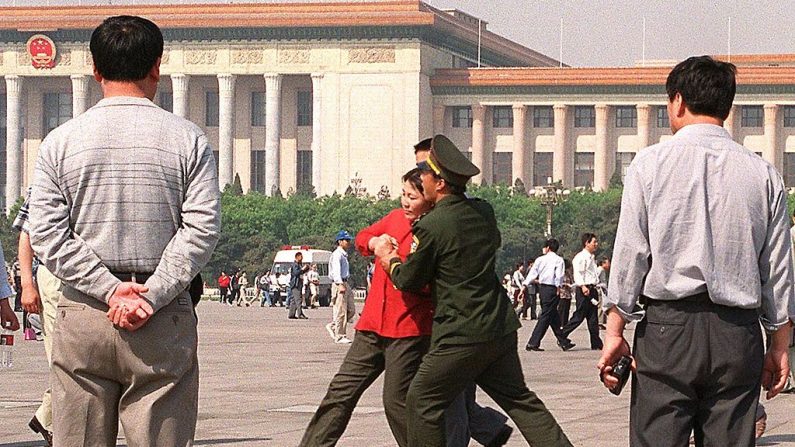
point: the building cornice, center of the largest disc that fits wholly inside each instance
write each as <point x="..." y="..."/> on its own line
<point x="280" y="21"/>
<point x="629" y="79"/>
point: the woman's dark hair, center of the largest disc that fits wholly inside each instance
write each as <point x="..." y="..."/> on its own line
<point x="125" y="48"/>
<point x="707" y="86"/>
<point x="415" y="179"/>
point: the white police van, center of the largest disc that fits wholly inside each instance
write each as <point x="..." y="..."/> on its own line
<point x="284" y="260"/>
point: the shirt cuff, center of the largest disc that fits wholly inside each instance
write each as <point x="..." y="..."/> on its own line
<point x="770" y="326"/>
<point x="637" y="313"/>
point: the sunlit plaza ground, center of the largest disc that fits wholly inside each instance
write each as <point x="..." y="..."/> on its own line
<point x="263" y="375"/>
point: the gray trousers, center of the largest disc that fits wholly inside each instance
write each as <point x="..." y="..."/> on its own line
<point x="147" y="379"/>
<point x="295" y="304"/>
<point x="699" y="369"/>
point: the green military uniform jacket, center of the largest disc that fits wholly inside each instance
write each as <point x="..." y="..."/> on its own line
<point x="454" y="250"/>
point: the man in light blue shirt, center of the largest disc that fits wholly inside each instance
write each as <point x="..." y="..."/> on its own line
<point x="341" y="295"/>
<point x="547" y="272"/>
<point x="703" y="243"/>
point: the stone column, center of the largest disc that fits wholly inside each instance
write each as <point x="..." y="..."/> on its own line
<point x="226" y="122"/>
<point x="438" y="119"/>
<point x="730" y="120"/>
<point x="80" y="93"/>
<point x="773" y="152"/>
<point x="273" y="93"/>
<point x="317" y="79"/>
<point x="13" y="139"/>
<point x="179" y="93"/>
<point x="604" y="153"/>
<point x="519" y="163"/>
<point x="644" y="125"/>
<point x="478" y="141"/>
<point x="562" y="162"/>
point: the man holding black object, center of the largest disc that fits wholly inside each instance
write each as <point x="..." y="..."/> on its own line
<point x="703" y="241"/>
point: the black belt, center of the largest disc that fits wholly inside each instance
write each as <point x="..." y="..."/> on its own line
<point x="140" y="278"/>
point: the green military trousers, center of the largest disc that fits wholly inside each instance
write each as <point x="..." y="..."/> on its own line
<point x="447" y="369"/>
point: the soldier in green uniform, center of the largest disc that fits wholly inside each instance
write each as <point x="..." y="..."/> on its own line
<point x="474" y="328"/>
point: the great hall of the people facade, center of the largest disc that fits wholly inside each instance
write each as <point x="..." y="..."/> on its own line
<point x="296" y="94"/>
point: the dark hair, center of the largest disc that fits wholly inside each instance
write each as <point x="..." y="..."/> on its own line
<point x="125" y="48"/>
<point x="299" y="254"/>
<point x="414" y="177"/>
<point x="586" y="237"/>
<point x="603" y="259"/>
<point x="424" y="145"/>
<point x="707" y="86"/>
<point x="552" y="244"/>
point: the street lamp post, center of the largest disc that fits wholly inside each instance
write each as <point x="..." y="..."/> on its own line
<point x="550" y="196"/>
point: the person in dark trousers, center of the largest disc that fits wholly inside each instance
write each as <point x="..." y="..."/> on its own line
<point x="528" y="299"/>
<point x="548" y="272"/>
<point x="586" y="278"/>
<point x="473" y="335"/>
<point x="234" y="287"/>
<point x="703" y="243"/>
<point x="297" y="271"/>
<point x="223" y="286"/>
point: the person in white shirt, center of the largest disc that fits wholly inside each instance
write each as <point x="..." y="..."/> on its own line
<point x="341" y="295"/>
<point x="586" y="278"/>
<point x="516" y="281"/>
<point x="548" y="272"/>
<point x="603" y="270"/>
<point x="313" y="279"/>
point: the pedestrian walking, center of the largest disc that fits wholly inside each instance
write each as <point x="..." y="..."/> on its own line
<point x="548" y="273"/>
<point x="297" y="271"/>
<point x="223" y="286"/>
<point x="586" y="279"/>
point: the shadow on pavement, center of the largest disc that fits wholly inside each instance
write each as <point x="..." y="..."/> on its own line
<point x="775" y="439"/>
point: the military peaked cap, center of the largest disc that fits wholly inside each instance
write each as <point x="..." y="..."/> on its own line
<point x="448" y="162"/>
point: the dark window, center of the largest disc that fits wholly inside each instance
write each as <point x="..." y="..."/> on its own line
<point x="258" y="171"/>
<point x="211" y="106"/>
<point x="662" y="118"/>
<point x="789" y="116"/>
<point x="257" y="109"/>
<point x="789" y="169"/>
<point x="502" y="116"/>
<point x="752" y="116"/>
<point x="303" y="169"/>
<point x="542" y="168"/>
<point x="217" y="156"/>
<point x="167" y="101"/>
<point x="623" y="159"/>
<point x="584" y="116"/>
<point x="583" y="168"/>
<point x="543" y="116"/>
<point x="462" y="117"/>
<point x="304" y="108"/>
<point x="57" y="110"/>
<point x="502" y="168"/>
<point x="626" y="117"/>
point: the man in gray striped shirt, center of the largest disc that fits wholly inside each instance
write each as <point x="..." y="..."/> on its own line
<point x="125" y="211"/>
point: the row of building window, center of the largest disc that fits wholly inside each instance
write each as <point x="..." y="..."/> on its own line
<point x="212" y="107"/>
<point x="542" y="167"/>
<point x="303" y="170"/>
<point x="625" y="116"/>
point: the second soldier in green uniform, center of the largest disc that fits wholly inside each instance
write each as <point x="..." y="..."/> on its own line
<point x="474" y="328"/>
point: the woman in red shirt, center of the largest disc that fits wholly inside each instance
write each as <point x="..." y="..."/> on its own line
<point x="392" y="335"/>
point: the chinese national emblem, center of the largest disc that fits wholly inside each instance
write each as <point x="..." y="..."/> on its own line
<point x="42" y="51"/>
